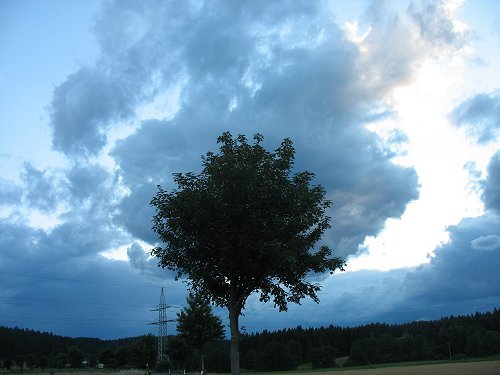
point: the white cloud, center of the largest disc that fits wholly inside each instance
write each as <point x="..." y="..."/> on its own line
<point x="486" y="243"/>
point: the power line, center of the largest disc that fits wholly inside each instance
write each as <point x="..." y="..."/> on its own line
<point x="24" y="301"/>
<point x="78" y="280"/>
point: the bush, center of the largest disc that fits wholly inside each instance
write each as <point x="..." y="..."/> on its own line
<point x="322" y="357"/>
<point x="218" y="361"/>
<point x="489" y="344"/>
<point x="350" y="363"/>
<point x="458" y="356"/>
<point x="7" y="363"/>
<point x="163" y="366"/>
<point x="274" y="357"/>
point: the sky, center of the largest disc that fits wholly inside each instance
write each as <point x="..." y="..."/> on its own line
<point x="393" y="105"/>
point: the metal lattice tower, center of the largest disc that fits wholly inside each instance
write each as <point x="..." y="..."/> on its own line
<point x="162" y="328"/>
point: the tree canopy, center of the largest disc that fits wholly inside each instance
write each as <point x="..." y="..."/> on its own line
<point x="245" y="224"/>
<point x="198" y="325"/>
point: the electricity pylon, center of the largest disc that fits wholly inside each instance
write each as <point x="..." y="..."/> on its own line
<point x="162" y="328"/>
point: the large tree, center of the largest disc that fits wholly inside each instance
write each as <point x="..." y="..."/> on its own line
<point x="245" y="224"/>
<point x="198" y="325"/>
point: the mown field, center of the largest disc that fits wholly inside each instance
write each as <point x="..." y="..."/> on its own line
<point x="461" y="368"/>
<point x="488" y="367"/>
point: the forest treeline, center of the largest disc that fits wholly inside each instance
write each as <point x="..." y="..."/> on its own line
<point x="476" y="335"/>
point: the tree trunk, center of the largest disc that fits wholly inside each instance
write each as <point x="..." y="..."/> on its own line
<point x="234" y="315"/>
<point x="202" y="363"/>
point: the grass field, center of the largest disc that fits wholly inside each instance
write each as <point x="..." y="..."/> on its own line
<point x="486" y="367"/>
<point x="454" y="368"/>
<point x="462" y="368"/>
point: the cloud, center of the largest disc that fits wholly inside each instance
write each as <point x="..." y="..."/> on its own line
<point x="279" y="68"/>
<point x="437" y="25"/>
<point x="491" y="186"/>
<point x="480" y="115"/>
<point x="135" y="214"/>
<point x="59" y="282"/>
<point x="83" y="107"/>
<point x="464" y="270"/>
<point x="458" y="273"/>
<point x="486" y="243"/>
<point x="279" y="75"/>
<point x="141" y="260"/>
<point x="283" y="77"/>
<point x="43" y="190"/>
<point x="10" y="193"/>
<point x="88" y="182"/>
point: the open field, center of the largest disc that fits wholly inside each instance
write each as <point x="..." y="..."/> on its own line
<point x="462" y="368"/>
<point x="75" y="372"/>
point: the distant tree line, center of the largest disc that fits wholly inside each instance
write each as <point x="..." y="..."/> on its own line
<point x="24" y="348"/>
<point x="475" y="335"/>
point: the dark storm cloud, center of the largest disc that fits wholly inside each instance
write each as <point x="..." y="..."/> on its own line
<point x="58" y="282"/>
<point x="280" y="76"/>
<point x="491" y="186"/>
<point x="346" y="299"/>
<point x="135" y="214"/>
<point x="480" y="115"/>
<point x="465" y="270"/>
<point x="279" y="68"/>
<point x="87" y="182"/>
<point x="141" y="261"/>
<point x="82" y="108"/>
<point x="463" y="273"/>
<point x="461" y="278"/>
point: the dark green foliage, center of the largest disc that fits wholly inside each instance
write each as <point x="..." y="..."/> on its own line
<point x="275" y="356"/>
<point x="322" y="356"/>
<point x="143" y="351"/>
<point x="471" y="336"/>
<point x="75" y="357"/>
<point x="61" y="360"/>
<point x="180" y="353"/>
<point x="489" y="344"/>
<point x="139" y="352"/>
<point x="20" y="361"/>
<point x="7" y="363"/>
<point x="218" y="361"/>
<point x="92" y="361"/>
<point x="109" y="359"/>
<point x="163" y="366"/>
<point x="295" y="349"/>
<point x="198" y="325"/>
<point x="31" y="361"/>
<point x="43" y="362"/>
<point x="245" y="224"/>
<point x="196" y="322"/>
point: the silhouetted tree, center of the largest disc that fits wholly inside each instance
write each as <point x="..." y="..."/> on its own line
<point x="322" y="356"/>
<point x="7" y="363"/>
<point x="92" y="360"/>
<point x="179" y="352"/>
<point x="75" y="357"/>
<point x="61" y="360"/>
<point x="43" y="362"/>
<point x="31" y="361"/>
<point x="198" y="325"/>
<point x="245" y="225"/>
<point x="20" y="361"/>
<point x="489" y="344"/>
